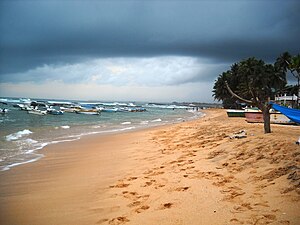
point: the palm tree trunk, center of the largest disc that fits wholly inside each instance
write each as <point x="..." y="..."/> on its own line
<point x="266" y="116"/>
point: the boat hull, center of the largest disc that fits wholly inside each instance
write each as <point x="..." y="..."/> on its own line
<point x="37" y="112"/>
<point x="55" y="112"/>
<point x="275" y="118"/>
<point x="235" y="113"/>
<point x="88" y="113"/>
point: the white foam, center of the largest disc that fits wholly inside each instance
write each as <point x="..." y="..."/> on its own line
<point x="163" y="106"/>
<point x="65" y="127"/>
<point x="60" y="141"/>
<point x="17" y="135"/>
<point x="126" y="123"/>
<point x="157" y="120"/>
<point x="144" y="122"/>
<point x="21" y="163"/>
<point x="38" y="146"/>
<point x="31" y="141"/>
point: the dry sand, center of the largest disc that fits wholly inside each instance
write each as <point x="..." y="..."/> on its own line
<point x="188" y="173"/>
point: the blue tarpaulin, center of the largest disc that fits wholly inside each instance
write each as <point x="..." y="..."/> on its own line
<point x="292" y="114"/>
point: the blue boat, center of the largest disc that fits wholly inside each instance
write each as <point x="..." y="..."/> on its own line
<point x="292" y="114"/>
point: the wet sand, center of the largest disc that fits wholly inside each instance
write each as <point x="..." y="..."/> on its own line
<point x="187" y="173"/>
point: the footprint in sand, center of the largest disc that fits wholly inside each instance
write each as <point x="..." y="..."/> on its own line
<point x="102" y="221"/>
<point x="132" y="178"/>
<point x="264" y="219"/>
<point x="134" y="204"/>
<point x="264" y="204"/>
<point x="142" y="208"/>
<point x="130" y="195"/>
<point x="166" y="206"/>
<point x="243" y="207"/>
<point x="182" y="188"/>
<point x="148" y="183"/>
<point x="235" y="221"/>
<point x="118" y="220"/>
<point x="121" y="184"/>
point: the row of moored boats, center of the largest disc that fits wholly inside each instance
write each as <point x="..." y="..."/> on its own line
<point x="254" y="115"/>
<point x="59" y="108"/>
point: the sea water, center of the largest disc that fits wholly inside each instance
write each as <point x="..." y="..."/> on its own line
<point x="23" y="135"/>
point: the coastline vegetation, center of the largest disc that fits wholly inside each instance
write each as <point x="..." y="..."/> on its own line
<point x="254" y="82"/>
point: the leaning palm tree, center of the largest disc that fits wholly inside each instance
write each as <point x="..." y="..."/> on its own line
<point x="253" y="82"/>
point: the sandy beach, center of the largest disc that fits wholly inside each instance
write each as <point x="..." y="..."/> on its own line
<point x="186" y="173"/>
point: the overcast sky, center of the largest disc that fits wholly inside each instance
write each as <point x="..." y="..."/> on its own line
<point x="160" y="50"/>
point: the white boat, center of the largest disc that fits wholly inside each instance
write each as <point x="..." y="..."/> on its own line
<point x="3" y="111"/>
<point x="37" y="112"/>
<point x="110" y="110"/>
<point x="25" y="107"/>
<point x="54" y="111"/>
<point x="88" y="112"/>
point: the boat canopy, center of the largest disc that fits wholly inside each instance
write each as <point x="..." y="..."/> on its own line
<point x="292" y="114"/>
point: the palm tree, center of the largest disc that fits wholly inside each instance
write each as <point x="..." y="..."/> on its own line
<point x="253" y="82"/>
<point x="292" y="63"/>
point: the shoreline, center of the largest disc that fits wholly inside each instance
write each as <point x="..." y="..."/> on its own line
<point x="38" y="150"/>
<point x="185" y="173"/>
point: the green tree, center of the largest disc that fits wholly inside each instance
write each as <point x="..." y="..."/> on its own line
<point x="286" y="62"/>
<point x="251" y="81"/>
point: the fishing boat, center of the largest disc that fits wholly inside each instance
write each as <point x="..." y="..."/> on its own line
<point x="235" y="112"/>
<point x="292" y="114"/>
<point x="89" y="111"/>
<point x="255" y="115"/>
<point x="53" y="111"/>
<point x="110" y="110"/>
<point x="21" y="106"/>
<point x="37" y="112"/>
<point x="3" y="111"/>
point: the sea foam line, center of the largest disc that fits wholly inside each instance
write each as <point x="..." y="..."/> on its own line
<point x="18" y="135"/>
<point x="42" y="145"/>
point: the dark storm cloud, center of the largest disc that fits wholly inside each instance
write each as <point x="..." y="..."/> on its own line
<point x="34" y="33"/>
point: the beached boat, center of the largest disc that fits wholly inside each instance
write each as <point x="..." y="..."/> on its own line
<point x="235" y="112"/>
<point x="292" y="114"/>
<point x="256" y="116"/>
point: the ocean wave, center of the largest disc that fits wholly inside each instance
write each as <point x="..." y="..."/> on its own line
<point x="156" y="120"/>
<point x="144" y="122"/>
<point x="126" y="123"/>
<point x="18" y="135"/>
<point x="30" y="141"/>
<point x="65" y="127"/>
<point x="7" y="167"/>
<point x="7" y="120"/>
<point x="165" y="106"/>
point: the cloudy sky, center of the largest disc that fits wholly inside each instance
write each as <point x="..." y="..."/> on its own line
<point x="160" y="50"/>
